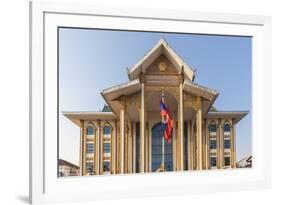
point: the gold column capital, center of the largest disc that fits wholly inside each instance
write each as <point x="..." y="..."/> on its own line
<point x="122" y="101"/>
<point x="199" y="101"/>
<point x="192" y="101"/>
<point x="134" y="100"/>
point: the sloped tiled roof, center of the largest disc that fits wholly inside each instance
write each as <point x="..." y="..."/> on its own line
<point x="106" y="108"/>
<point x="66" y="163"/>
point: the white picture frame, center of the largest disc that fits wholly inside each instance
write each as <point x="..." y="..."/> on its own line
<point x="45" y="187"/>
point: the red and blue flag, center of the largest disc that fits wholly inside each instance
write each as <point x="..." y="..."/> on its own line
<point x="166" y="120"/>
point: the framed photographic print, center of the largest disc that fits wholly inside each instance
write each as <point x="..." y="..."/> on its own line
<point x="134" y="103"/>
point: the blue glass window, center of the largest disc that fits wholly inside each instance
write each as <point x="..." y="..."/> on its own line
<point x="106" y="130"/>
<point x="157" y="133"/>
<point x="90" y="148"/>
<point x="90" y="130"/>
<point x="227" y="161"/>
<point x="213" y="144"/>
<point x="227" y="144"/>
<point x="106" y="166"/>
<point x="212" y="128"/>
<point x="89" y="167"/>
<point x="213" y="161"/>
<point x="106" y="147"/>
<point x="226" y="128"/>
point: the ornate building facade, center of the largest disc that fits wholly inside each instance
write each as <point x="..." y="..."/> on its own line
<point x="126" y="136"/>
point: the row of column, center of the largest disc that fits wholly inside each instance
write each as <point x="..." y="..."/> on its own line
<point x="126" y="143"/>
<point x="123" y="147"/>
<point x="195" y="151"/>
<point x="220" y="145"/>
<point x="196" y="139"/>
<point x="98" y="142"/>
<point x="179" y="156"/>
<point x="123" y="142"/>
<point x="144" y="141"/>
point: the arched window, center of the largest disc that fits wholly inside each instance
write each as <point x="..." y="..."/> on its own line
<point x="226" y="128"/>
<point x="106" y="130"/>
<point x="90" y="130"/>
<point x="212" y="128"/>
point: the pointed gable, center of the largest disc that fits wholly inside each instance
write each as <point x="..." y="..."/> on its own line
<point x="161" y="49"/>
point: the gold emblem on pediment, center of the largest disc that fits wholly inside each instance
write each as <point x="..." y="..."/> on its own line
<point x="162" y="66"/>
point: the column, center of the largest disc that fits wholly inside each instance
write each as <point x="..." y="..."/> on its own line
<point x="219" y="160"/>
<point x="134" y="147"/>
<point x="181" y="132"/>
<point x="122" y="138"/>
<point x="150" y="149"/>
<point x="84" y="150"/>
<point x="146" y="147"/>
<point x="130" y="148"/>
<point x="116" y="148"/>
<point x="207" y="145"/>
<point x="199" y="135"/>
<point x="192" y="156"/>
<point x="112" y="151"/>
<point x="203" y="146"/>
<point x="126" y="147"/>
<point x="97" y="151"/>
<point x="142" y="130"/>
<point x="189" y="145"/>
<point x="218" y="144"/>
<point x="100" y="148"/>
<point x="82" y="142"/>
<point x="178" y="141"/>
<point x="174" y="150"/>
<point x="222" y="145"/>
<point x="233" y="145"/>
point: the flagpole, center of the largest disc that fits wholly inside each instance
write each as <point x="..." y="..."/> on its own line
<point x="163" y="140"/>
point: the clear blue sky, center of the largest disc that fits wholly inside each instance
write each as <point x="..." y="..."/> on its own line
<point x="91" y="60"/>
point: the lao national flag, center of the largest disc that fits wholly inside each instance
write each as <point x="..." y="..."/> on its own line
<point x="167" y="120"/>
